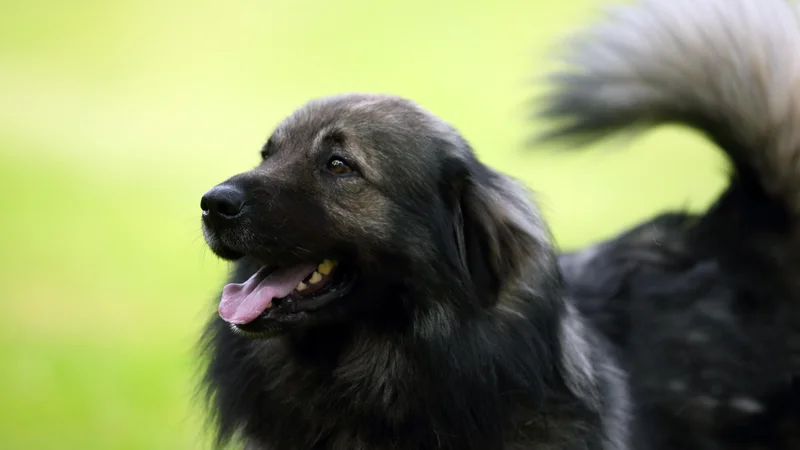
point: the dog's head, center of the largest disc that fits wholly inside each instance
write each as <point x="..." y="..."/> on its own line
<point x="367" y="202"/>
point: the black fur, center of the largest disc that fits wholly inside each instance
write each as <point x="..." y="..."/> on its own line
<point x="455" y="335"/>
<point x="704" y="308"/>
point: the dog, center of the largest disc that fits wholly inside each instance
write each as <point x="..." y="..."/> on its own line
<point x="704" y="308"/>
<point x="390" y="291"/>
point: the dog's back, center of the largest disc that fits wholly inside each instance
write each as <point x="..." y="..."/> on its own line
<point x="704" y="307"/>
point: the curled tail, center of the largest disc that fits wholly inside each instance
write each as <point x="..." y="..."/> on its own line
<point x="728" y="68"/>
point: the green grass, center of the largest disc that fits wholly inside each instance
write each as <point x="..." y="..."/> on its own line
<point x="115" y="117"/>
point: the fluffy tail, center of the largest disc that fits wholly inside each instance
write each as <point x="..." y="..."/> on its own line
<point x="729" y="68"/>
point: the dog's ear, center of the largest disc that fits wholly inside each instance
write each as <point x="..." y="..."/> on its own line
<point x="498" y="231"/>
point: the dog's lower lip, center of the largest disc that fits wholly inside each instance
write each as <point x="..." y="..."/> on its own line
<point x="297" y="302"/>
<point x="314" y="303"/>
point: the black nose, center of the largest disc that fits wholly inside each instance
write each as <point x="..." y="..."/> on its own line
<point x="223" y="202"/>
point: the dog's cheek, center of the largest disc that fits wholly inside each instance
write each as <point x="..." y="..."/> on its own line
<point x="360" y="218"/>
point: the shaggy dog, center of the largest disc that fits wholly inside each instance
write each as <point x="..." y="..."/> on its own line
<point x="703" y="307"/>
<point x="392" y="292"/>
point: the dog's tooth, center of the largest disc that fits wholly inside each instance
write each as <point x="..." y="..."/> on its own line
<point x="269" y="305"/>
<point x="316" y="277"/>
<point x="301" y="287"/>
<point x="326" y="266"/>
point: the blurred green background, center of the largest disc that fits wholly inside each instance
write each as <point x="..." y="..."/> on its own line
<point x="116" y="116"/>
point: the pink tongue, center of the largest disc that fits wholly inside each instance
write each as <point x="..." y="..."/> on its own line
<point x="242" y="303"/>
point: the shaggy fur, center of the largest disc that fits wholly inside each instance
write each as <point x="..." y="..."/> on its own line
<point x="455" y="334"/>
<point x="703" y="307"/>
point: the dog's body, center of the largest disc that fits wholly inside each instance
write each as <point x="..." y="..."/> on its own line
<point x="445" y="327"/>
<point x="705" y="309"/>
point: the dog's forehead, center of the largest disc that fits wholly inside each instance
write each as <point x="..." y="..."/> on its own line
<point x="377" y="120"/>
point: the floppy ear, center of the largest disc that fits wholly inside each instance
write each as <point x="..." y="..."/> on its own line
<point x="499" y="232"/>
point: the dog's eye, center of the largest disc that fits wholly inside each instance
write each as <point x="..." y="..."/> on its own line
<point x="337" y="166"/>
<point x="268" y="148"/>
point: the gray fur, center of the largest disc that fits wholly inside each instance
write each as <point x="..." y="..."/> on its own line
<point x="727" y="67"/>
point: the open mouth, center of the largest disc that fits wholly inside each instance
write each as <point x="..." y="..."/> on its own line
<point x="282" y="291"/>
